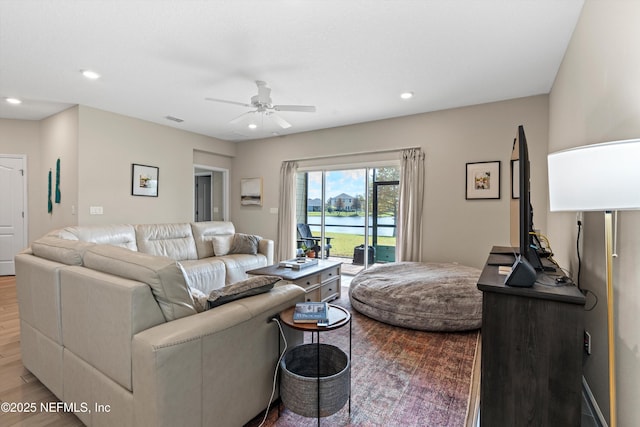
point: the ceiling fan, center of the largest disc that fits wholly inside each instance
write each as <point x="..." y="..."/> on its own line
<point x="264" y="108"/>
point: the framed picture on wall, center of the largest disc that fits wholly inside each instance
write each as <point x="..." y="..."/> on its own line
<point x="483" y="180"/>
<point x="251" y="191"/>
<point x="144" y="180"/>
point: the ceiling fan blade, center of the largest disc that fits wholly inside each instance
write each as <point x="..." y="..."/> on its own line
<point x="228" y="102"/>
<point x="299" y="108"/>
<point x="241" y="117"/>
<point x="280" y="121"/>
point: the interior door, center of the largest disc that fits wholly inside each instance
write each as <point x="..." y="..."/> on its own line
<point x="203" y="198"/>
<point x="13" y="235"/>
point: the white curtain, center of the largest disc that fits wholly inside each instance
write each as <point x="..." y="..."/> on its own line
<point x="286" y="239"/>
<point x="409" y="246"/>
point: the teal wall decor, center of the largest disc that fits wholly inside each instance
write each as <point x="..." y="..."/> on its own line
<point x="49" y="204"/>
<point x="58" y="181"/>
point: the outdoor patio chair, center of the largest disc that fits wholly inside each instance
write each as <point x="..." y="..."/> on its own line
<point x="310" y="240"/>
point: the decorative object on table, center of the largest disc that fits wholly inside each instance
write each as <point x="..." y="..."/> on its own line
<point x="298" y="263"/>
<point x="483" y="180"/>
<point x="144" y="180"/>
<point x="49" y="204"/>
<point x="58" y="195"/>
<point x="598" y="177"/>
<point x="311" y="312"/>
<point x="251" y="191"/>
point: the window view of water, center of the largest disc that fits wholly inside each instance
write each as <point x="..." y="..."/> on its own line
<point x="352" y="225"/>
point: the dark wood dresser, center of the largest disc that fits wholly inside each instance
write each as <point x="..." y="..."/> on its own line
<point x="532" y="346"/>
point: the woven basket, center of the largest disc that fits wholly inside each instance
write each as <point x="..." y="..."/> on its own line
<point x="299" y="379"/>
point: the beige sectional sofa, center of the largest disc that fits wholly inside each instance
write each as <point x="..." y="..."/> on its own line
<point x="109" y="325"/>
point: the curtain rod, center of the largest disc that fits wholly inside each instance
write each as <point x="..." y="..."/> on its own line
<point x="358" y="153"/>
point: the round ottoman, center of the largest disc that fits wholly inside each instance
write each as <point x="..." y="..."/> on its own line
<point x="425" y="296"/>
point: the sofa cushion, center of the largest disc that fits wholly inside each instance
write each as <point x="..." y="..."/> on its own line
<point x="238" y="264"/>
<point x="245" y="288"/>
<point x="170" y="240"/>
<point x="162" y="274"/>
<point x="221" y="244"/>
<point x="205" y="274"/>
<point x="244" y="244"/>
<point x="122" y="235"/>
<point x="65" y="251"/>
<point x="204" y="232"/>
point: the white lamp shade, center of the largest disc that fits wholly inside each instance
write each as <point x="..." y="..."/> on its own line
<point x="596" y="177"/>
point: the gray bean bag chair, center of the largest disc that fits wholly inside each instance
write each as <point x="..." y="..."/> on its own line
<point x="423" y="296"/>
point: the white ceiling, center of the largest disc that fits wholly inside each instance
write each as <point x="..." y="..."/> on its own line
<point x="349" y="58"/>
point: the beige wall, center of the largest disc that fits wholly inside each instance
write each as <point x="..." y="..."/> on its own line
<point x="595" y="98"/>
<point x="454" y="229"/>
<point x="110" y="143"/>
<point x="59" y="140"/>
<point x="96" y="149"/>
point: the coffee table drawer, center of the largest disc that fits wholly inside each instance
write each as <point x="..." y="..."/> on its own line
<point x="330" y="289"/>
<point x="329" y="274"/>
<point x="309" y="281"/>
<point x="313" y="296"/>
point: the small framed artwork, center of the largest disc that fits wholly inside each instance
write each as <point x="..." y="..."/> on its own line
<point x="144" y="180"/>
<point x="483" y="180"/>
<point x="251" y="191"/>
<point x="515" y="179"/>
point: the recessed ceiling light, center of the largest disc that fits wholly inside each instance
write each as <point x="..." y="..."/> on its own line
<point x="406" y="95"/>
<point x="13" y="101"/>
<point x="92" y="75"/>
<point x="252" y="125"/>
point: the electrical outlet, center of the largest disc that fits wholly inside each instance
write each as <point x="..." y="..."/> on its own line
<point x="587" y="343"/>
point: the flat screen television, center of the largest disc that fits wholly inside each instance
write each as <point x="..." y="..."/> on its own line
<point x="523" y="270"/>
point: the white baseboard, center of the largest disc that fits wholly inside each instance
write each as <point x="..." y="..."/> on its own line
<point x="594" y="404"/>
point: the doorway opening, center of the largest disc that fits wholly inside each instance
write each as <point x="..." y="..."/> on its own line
<point x="210" y="193"/>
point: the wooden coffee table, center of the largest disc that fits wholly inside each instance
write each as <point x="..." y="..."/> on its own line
<point x="321" y="282"/>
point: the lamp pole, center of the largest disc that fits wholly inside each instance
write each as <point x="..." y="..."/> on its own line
<point x="608" y="233"/>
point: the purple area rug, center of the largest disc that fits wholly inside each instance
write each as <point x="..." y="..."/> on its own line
<point x="399" y="377"/>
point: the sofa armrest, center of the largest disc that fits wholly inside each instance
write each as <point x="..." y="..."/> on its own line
<point x="266" y="247"/>
<point x="182" y="369"/>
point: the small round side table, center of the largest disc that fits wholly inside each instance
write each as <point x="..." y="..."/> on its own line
<point x="338" y="317"/>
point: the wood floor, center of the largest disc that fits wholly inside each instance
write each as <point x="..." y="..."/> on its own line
<point x="17" y="385"/>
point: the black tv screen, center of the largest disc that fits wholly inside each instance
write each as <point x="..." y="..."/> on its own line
<point x="528" y="248"/>
<point x="523" y="269"/>
<point x="525" y="197"/>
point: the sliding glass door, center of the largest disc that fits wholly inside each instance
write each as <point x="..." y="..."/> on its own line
<point x="350" y="213"/>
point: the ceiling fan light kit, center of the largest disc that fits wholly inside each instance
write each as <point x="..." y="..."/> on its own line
<point x="265" y="108"/>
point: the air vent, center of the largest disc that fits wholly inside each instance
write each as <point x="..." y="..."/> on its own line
<point x="174" y="119"/>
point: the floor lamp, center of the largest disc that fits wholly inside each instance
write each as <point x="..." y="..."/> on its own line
<point x="598" y="177"/>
